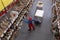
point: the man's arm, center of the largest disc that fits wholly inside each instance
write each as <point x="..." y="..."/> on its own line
<point x="26" y="21"/>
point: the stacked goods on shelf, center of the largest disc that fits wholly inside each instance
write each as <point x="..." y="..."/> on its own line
<point x="1" y="6"/>
<point x="53" y="1"/>
<point x="20" y="7"/>
<point x="56" y="19"/>
<point x="15" y="33"/>
<point x="54" y="14"/>
<point x="10" y="29"/>
<point x="7" y="2"/>
<point x="25" y="2"/>
<point x="7" y="21"/>
<point x="6" y="6"/>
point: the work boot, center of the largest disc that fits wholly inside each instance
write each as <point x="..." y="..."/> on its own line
<point x="29" y="29"/>
<point x="33" y="28"/>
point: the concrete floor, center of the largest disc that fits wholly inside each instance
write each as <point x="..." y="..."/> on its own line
<point x="42" y="32"/>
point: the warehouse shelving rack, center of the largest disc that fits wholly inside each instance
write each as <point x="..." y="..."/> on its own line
<point x="19" y="11"/>
<point x="56" y="19"/>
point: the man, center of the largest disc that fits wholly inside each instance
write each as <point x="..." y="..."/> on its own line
<point x="30" y="24"/>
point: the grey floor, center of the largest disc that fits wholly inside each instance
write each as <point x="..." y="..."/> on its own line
<point x="42" y="32"/>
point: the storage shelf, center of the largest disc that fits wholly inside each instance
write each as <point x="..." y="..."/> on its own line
<point x="11" y="23"/>
<point x="9" y="26"/>
<point x="56" y="23"/>
<point x="22" y="10"/>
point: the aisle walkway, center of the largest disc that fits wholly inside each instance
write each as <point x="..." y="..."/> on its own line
<point x="42" y="32"/>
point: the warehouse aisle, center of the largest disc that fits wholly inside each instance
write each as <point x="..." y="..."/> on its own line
<point x="42" y="32"/>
